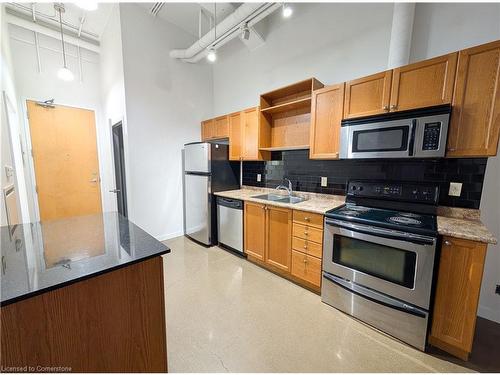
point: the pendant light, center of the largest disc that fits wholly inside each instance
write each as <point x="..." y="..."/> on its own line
<point x="63" y="73"/>
<point x="287" y="10"/>
<point x="212" y="54"/>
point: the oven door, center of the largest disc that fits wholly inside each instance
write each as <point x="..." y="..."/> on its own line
<point x="398" y="264"/>
<point x="387" y="139"/>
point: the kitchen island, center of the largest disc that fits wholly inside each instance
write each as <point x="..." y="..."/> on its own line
<point x="83" y="294"/>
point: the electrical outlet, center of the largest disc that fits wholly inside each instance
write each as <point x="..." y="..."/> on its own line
<point x="259" y="177"/>
<point x="324" y="181"/>
<point x="455" y="189"/>
<point x="497" y="289"/>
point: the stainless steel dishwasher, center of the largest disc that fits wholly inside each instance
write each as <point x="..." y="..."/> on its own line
<point x="230" y="224"/>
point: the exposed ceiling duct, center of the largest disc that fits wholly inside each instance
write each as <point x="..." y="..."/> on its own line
<point x="401" y="32"/>
<point x="156" y="8"/>
<point x="227" y="29"/>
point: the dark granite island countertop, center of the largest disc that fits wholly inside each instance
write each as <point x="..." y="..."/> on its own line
<point x="38" y="257"/>
<point x="82" y="294"/>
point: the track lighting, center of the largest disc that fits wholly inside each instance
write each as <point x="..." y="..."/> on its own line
<point x="212" y="55"/>
<point x="245" y="32"/>
<point x="87" y="5"/>
<point x="287" y="10"/>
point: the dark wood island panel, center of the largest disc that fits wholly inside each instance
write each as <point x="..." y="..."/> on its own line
<point x="113" y="322"/>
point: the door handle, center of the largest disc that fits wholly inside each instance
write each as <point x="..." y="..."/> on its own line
<point x="115" y="191"/>
<point x="94" y="180"/>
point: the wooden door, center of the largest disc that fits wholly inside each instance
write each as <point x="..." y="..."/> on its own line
<point x="251" y="134"/>
<point x="326" y="114"/>
<point x="475" y="119"/>
<point x="279" y="237"/>
<point x="368" y="95"/>
<point x="457" y="295"/>
<point x="63" y="141"/>
<point x="255" y="229"/>
<point x="235" y="136"/>
<point x="221" y="127"/>
<point x="423" y="84"/>
<point x="208" y="130"/>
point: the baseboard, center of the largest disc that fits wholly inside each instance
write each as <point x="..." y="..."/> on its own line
<point x="488" y="313"/>
<point x="170" y="235"/>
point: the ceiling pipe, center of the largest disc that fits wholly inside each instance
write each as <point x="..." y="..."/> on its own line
<point x="36" y="27"/>
<point x="227" y="29"/>
<point x="401" y="32"/>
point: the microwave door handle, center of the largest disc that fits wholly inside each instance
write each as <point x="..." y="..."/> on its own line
<point x="411" y="144"/>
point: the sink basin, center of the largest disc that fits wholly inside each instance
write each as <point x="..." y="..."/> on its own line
<point x="280" y="198"/>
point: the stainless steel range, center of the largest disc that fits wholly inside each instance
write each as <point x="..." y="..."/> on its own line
<point x="378" y="257"/>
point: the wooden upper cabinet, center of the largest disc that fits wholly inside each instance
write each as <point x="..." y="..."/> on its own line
<point x="423" y="84"/>
<point x="207" y="130"/>
<point x="326" y="115"/>
<point x="221" y="127"/>
<point x="279" y="237"/>
<point x="255" y="230"/>
<point x="475" y="119"/>
<point x="251" y="135"/>
<point x="457" y="295"/>
<point x="368" y="95"/>
<point x="235" y="136"/>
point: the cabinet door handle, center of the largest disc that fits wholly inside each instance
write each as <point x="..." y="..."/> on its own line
<point x="306" y="234"/>
<point x="447" y="243"/>
<point x="394" y="107"/>
<point x="386" y="108"/>
<point x="305" y="247"/>
<point x="305" y="260"/>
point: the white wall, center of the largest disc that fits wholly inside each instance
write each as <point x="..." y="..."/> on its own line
<point x="113" y="86"/>
<point x="165" y="99"/>
<point x="11" y="152"/>
<point x="83" y="92"/>
<point x="332" y="42"/>
<point x="442" y="28"/>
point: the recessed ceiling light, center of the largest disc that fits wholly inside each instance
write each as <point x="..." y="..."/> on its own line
<point x="212" y="55"/>
<point x="287" y="10"/>
<point x="87" y="5"/>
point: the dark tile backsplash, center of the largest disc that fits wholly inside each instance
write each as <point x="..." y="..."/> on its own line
<point x="306" y="174"/>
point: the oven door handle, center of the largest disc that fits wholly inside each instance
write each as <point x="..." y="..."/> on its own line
<point x="374" y="296"/>
<point x="381" y="232"/>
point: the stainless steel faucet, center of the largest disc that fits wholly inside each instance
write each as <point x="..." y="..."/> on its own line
<point x="289" y="189"/>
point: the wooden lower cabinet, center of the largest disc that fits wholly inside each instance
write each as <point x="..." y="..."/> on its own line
<point x="279" y="237"/>
<point x="457" y="296"/>
<point x="306" y="267"/>
<point x="255" y="230"/>
<point x="268" y="242"/>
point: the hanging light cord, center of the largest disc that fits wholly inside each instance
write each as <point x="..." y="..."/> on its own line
<point x="62" y="38"/>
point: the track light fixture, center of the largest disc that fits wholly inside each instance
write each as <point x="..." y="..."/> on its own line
<point x="212" y="55"/>
<point x="245" y="31"/>
<point x="287" y="10"/>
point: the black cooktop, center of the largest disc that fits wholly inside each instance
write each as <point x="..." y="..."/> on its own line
<point x="398" y="220"/>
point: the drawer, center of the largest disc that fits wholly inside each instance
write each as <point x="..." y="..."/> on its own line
<point x="308" y="233"/>
<point x="306" y="268"/>
<point x="308" y="218"/>
<point x="308" y="247"/>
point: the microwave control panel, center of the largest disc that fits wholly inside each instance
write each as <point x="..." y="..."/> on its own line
<point x="432" y="132"/>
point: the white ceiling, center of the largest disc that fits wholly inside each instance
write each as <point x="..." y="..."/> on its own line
<point x="185" y="15"/>
<point x="95" y="21"/>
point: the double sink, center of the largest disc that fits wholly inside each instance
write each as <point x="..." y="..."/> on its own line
<point x="280" y="198"/>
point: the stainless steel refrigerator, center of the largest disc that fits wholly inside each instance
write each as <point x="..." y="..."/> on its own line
<point x="207" y="170"/>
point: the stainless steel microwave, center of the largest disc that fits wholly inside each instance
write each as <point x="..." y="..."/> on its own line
<point x="410" y="134"/>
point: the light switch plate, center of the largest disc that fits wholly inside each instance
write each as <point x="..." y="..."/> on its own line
<point x="455" y="189"/>
<point x="259" y="177"/>
<point x="324" y="181"/>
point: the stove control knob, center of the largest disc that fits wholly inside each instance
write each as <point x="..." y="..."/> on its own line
<point x="353" y="187"/>
<point x="360" y="188"/>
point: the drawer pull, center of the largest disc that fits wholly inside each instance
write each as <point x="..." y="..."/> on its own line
<point x="305" y="247"/>
<point x="306" y="233"/>
<point x="447" y="243"/>
<point x="307" y="219"/>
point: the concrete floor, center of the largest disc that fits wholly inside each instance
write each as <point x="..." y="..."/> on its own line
<point x="225" y="314"/>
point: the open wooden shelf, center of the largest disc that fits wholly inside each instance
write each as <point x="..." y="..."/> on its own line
<point x="288" y="106"/>
<point x="285" y="148"/>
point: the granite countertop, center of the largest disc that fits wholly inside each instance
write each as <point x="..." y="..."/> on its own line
<point x="463" y="223"/>
<point x="317" y="203"/>
<point x="453" y="222"/>
<point x="39" y="257"/>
